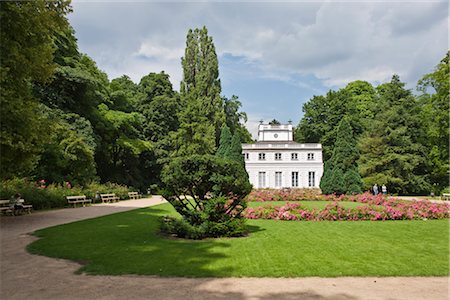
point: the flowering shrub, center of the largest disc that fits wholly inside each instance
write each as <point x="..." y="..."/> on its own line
<point x="46" y="196"/>
<point x="377" y="207"/>
<point x="263" y="195"/>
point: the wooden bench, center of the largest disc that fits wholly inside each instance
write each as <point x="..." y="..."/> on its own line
<point x="5" y="207"/>
<point x="78" y="199"/>
<point x="133" y="195"/>
<point x="445" y="197"/>
<point x="109" y="197"/>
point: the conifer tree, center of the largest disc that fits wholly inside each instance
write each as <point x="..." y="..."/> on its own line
<point x="352" y="182"/>
<point x="341" y="175"/>
<point x="345" y="152"/>
<point x="337" y="181"/>
<point x="390" y="152"/>
<point x="235" y="150"/>
<point x="326" y="177"/>
<point x="225" y="142"/>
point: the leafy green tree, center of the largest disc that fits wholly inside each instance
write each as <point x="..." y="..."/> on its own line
<point x="69" y="155"/>
<point x="390" y="150"/>
<point x="159" y="104"/>
<point x="124" y="94"/>
<point x="322" y="114"/>
<point x="236" y="119"/>
<point x="153" y="85"/>
<point x="225" y="142"/>
<point x="78" y="86"/>
<point x="435" y="112"/>
<point x="122" y="143"/>
<point x="26" y="55"/>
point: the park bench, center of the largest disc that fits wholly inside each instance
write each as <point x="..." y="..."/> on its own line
<point x="78" y="199"/>
<point x="109" y="197"/>
<point x="6" y="209"/>
<point x="445" y="197"/>
<point x="133" y="195"/>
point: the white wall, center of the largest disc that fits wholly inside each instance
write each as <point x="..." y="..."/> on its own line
<point x="253" y="166"/>
<point x="303" y="180"/>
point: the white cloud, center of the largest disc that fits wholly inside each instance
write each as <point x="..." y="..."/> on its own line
<point x="336" y="42"/>
<point x="151" y="50"/>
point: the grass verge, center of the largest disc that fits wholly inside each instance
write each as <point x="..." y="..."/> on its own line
<point x="129" y="243"/>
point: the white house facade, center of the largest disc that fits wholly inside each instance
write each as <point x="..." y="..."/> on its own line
<point x="276" y="161"/>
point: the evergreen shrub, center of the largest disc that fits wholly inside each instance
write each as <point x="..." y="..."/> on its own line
<point x="208" y="192"/>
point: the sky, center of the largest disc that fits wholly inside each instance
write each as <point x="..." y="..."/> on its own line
<point x="273" y="55"/>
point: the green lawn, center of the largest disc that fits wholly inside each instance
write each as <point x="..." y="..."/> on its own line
<point x="129" y="243"/>
<point x="306" y="204"/>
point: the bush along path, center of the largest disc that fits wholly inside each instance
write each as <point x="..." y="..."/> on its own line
<point x="373" y="208"/>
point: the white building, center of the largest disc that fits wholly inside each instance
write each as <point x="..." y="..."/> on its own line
<point x="276" y="161"/>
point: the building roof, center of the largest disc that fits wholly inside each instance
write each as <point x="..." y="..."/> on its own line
<point x="281" y="145"/>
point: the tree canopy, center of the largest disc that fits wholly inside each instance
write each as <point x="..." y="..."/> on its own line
<point x="26" y="55"/>
<point x="402" y="139"/>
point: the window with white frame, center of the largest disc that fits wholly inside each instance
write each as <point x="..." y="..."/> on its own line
<point x="246" y="156"/>
<point x="277" y="156"/>
<point x="294" y="156"/>
<point x="310" y="156"/>
<point x="262" y="179"/>
<point x="277" y="179"/>
<point x="262" y="156"/>
<point x="294" y="179"/>
<point x="311" y="179"/>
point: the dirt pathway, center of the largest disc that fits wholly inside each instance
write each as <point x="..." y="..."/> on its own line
<point x="26" y="276"/>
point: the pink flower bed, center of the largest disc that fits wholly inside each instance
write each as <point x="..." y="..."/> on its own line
<point x="375" y="208"/>
<point x="263" y="195"/>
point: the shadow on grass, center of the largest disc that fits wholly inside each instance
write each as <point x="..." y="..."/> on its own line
<point x="130" y="243"/>
<point x="254" y="229"/>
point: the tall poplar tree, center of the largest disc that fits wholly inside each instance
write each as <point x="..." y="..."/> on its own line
<point x="202" y="117"/>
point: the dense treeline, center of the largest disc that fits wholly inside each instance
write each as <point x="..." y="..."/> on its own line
<point x="390" y="136"/>
<point x="62" y="119"/>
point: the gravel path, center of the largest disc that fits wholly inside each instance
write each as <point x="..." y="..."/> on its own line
<point x="26" y="276"/>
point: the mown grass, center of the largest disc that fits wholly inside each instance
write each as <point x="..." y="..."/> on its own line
<point x="129" y="243"/>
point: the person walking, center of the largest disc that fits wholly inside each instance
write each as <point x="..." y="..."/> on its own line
<point x="384" y="189"/>
<point x="375" y="189"/>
